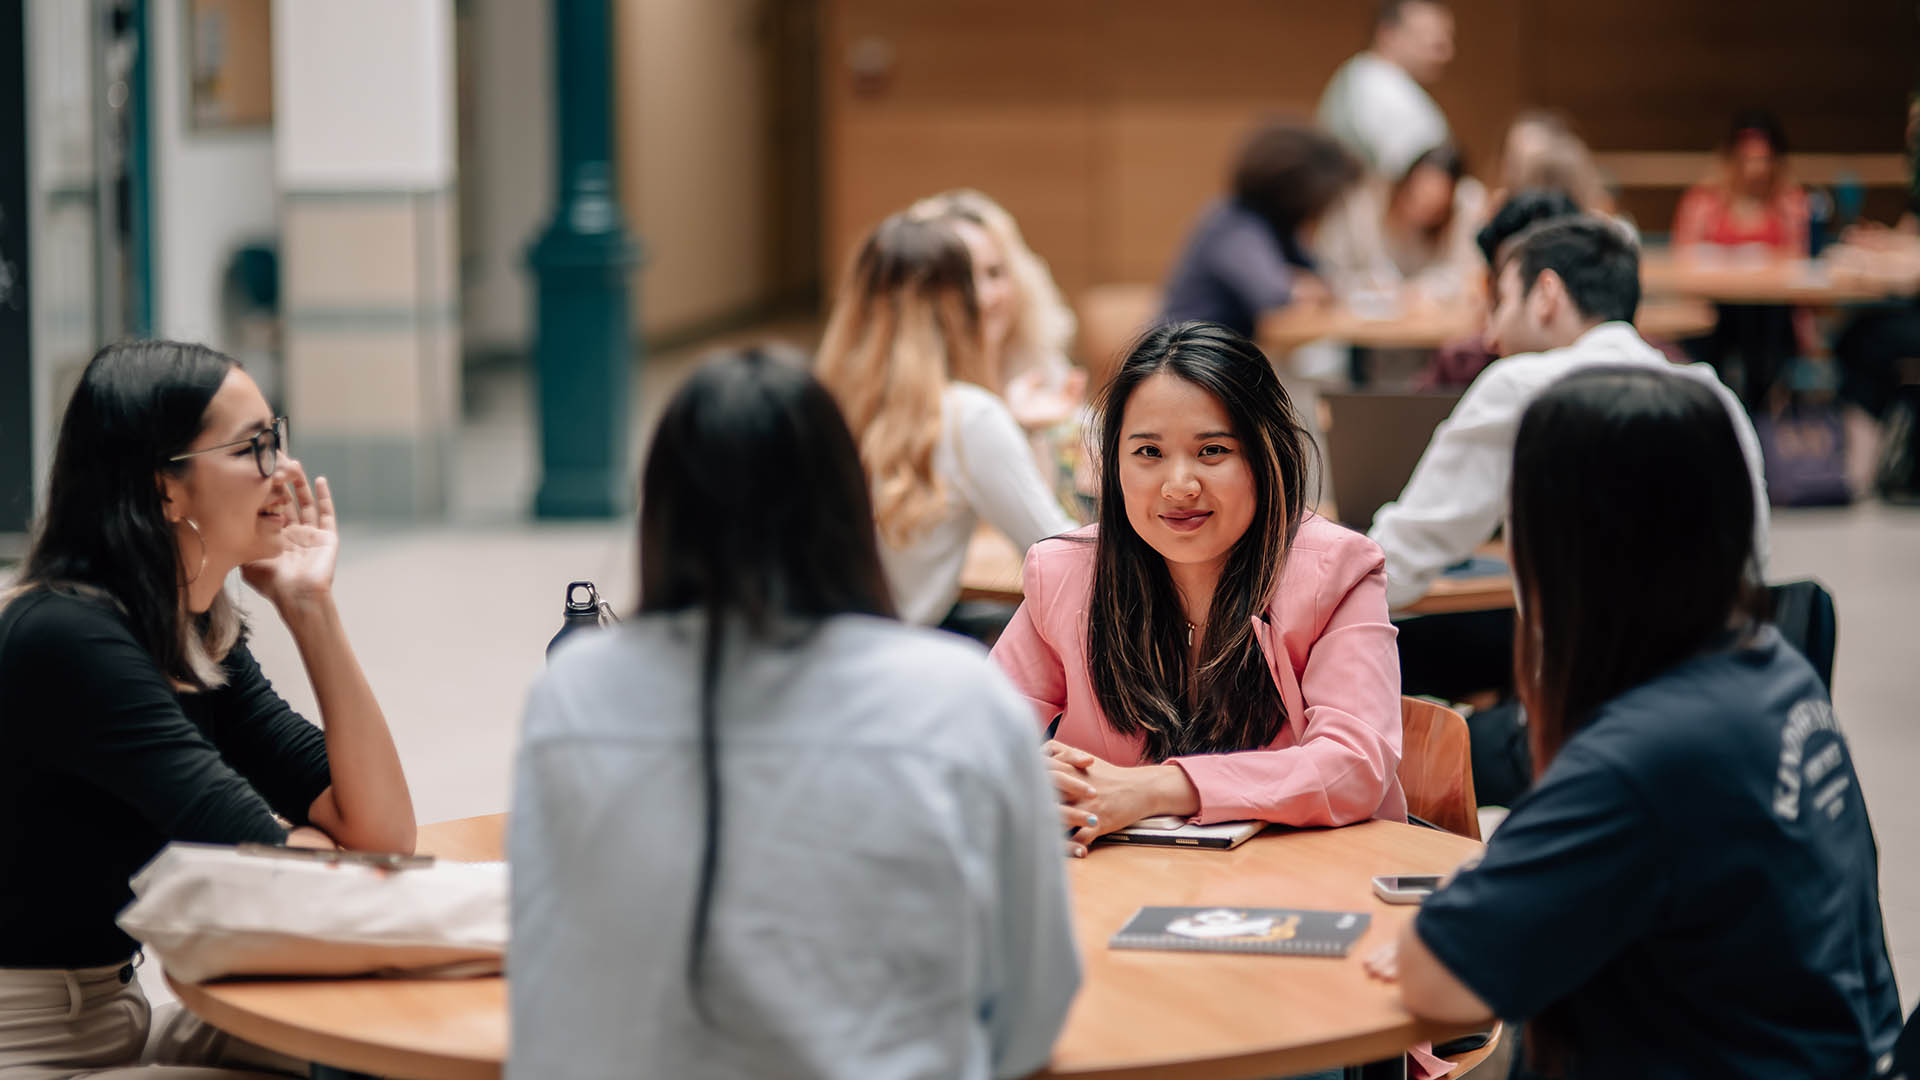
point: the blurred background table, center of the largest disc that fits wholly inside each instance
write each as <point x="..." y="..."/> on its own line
<point x="1730" y="280"/>
<point x="1668" y="319"/>
<point x="992" y="570"/>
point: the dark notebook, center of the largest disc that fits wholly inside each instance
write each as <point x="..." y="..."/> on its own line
<point x="1254" y="930"/>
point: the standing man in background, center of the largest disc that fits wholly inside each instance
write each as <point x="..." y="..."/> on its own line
<point x="1377" y="102"/>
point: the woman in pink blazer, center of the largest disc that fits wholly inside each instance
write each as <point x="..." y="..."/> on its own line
<point x="1212" y="649"/>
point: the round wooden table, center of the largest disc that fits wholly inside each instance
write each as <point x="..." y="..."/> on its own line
<point x="1138" y="1014"/>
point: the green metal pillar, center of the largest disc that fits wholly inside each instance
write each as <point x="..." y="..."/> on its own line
<point x="581" y="263"/>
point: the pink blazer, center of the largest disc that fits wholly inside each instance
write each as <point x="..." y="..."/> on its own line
<point x="1331" y="649"/>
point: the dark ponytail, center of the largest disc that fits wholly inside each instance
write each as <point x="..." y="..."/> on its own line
<point x="754" y="511"/>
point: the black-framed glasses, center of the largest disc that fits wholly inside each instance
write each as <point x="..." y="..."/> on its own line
<point x="268" y="444"/>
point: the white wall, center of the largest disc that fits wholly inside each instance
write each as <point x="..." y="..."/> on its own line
<point x="213" y="191"/>
<point x="360" y="93"/>
<point x="506" y="157"/>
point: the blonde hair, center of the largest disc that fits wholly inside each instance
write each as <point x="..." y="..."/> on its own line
<point x="1560" y="162"/>
<point x="905" y="324"/>
<point x="1043" y="326"/>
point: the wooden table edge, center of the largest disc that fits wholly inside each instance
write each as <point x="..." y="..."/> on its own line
<point x="1450" y="596"/>
<point x="1288" y="1061"/>
<point x="990" y="594"/>
<point x="330" y="1048"/>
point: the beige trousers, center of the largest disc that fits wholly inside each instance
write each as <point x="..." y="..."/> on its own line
<point x="95" y="1022"/>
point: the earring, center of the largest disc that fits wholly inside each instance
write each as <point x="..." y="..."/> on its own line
<point x="202" y="537"/>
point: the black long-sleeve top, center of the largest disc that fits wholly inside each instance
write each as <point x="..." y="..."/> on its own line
<point x="102" y="763"/>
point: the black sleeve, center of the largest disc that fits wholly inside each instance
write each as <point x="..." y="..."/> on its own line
<point x="276" y="749"/>
<point x="109" y="719"/>
<point x="1566" y="883"/>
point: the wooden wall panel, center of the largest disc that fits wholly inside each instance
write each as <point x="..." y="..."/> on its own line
<point x="1276" y="52"/>
<point x="1670" y="74"/>
<point x="1158" y="166"/>
<point x="1036" y="160"/>
<point x="983" y="93"/>
<point x="1105" y="125"/>
<point x="971" y="52"/>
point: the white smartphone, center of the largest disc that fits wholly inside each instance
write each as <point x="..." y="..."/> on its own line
<point x="1405" y="888"/>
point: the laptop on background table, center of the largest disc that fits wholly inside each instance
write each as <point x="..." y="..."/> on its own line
<point x="1374" y="440"/>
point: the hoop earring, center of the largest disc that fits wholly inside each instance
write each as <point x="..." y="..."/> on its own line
<point x="202" y="537"/>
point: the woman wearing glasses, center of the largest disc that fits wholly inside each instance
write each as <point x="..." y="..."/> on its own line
<point x="133" y="713"/>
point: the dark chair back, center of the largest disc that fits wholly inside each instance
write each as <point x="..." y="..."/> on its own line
<point x="1906" y="1052"/>
<point x="1804" y="612"/>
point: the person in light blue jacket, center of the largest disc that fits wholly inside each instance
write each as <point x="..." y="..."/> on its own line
<point x="764" y="828"/>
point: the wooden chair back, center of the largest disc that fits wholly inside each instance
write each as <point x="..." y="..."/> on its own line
<point x="1436" y="767"/>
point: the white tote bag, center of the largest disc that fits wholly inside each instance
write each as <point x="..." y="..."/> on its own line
<point x="207" y="911"/>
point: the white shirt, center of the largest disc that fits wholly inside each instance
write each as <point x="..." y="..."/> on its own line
<point x="987" y="465"/>
<point x="890" y="899"/>
<point x="1374" y="106"/>
<point x="1458" y="492"/>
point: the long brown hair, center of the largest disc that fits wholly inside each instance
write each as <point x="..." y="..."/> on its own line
<point x="1606" y="602"/>
<point x="1136" y="628"/>
<point x="906" y="323"/>
<point x="1632" y="544"/>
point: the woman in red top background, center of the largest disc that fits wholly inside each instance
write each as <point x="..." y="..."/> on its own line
<point x="1753" y="200"/>
<point x="1754" y="204"/>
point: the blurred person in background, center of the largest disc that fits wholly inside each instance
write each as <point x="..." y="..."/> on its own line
<point x="1377" y="103"/>
<point x="1412" y="236"/>
<point x="762" y="828"/>
<point x="1247" y="254"/>
<point x="1692" y="888"/>
<point x="1457" y="363"/>
<point x="1752" y="211"/>
<point x="1541" y="151"/>
<point x="133" y="714"/>
<point x="1883" y="421"/>
<point x="1025" y="324"/>
<point x="904" y="356"/>
<point x="1752" y="200"/>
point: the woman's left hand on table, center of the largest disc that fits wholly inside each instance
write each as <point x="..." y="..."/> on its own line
<point x="1383" y="963"/>
<point x="1120" y="795"/>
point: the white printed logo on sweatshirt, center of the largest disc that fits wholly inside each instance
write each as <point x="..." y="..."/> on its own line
<point x="1799" y="773"/>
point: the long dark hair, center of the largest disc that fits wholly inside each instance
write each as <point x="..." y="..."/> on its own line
<point x="1608" y="600"/>
<point x="105" y="528"/>
<point x="753" y="510"/>
<point x="1136" y="627"/>
<point x="1632" y="546"/>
